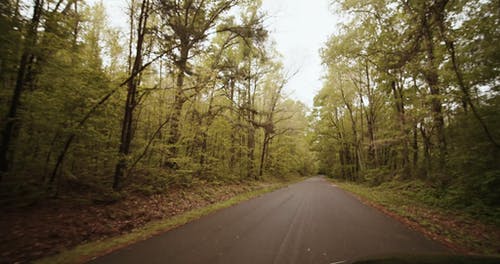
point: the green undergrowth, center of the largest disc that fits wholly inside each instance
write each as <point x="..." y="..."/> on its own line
<point x="415" y="192"/>
<point x="86" y="252"/>
<point x="474" y="229"/>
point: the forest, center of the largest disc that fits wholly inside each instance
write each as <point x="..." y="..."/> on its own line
<point x="192" y="90"/>
<point x="187" y="105"/>
<point x="411" y="92"/>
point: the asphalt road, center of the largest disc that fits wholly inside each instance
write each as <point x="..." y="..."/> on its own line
<point x="308" y="222"/>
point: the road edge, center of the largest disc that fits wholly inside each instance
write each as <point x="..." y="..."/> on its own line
<point x="410" y="224"/>
<point x="92" y="250"/>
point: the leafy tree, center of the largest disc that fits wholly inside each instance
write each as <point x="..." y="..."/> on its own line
<point x="192" y="89"/>
<point x="398" y="99"/>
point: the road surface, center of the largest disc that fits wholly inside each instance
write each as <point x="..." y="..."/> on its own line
<point x="308" y="222"/>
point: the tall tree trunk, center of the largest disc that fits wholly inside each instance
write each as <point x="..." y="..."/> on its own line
<point x="400" y="112"/>
<point x="370" y="120"/>
<point x="203" y="152"/>
<point x="250" y="151"/>
<point x="415" y="149"/>
<point x="251" y="125"/>
<point x="24" y="63"/>
<point x="426" y="141"/>
<point x="130" y="103"/>
<point x="131" y="36"/>
<point x="179" y="101"/>
<point x="432" y="79"/>
<point x="355" y="141"/>
<point x="263" y="154"/>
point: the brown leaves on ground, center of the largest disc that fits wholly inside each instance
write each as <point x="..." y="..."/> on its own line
<point x="43" y="230"/>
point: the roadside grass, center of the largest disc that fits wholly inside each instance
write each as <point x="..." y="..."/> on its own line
<point x="416" y="205"/>
<point x="89" y="251"/>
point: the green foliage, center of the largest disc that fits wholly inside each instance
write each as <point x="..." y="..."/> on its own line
<point x="473" y="160"/>
<point x="410" y="95"/>
<point x="227" y="120"/>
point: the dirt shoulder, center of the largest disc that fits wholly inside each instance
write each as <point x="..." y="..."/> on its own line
<point x="54" y="226"/>
<point x="458" y="230"/>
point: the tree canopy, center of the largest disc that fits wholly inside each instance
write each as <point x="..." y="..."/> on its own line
<point x="193" y="89"/>
<point x="411" y="92"/>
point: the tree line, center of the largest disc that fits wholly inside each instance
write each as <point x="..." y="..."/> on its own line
<point x="191" y="89"/>
<point x="412" y="92"/>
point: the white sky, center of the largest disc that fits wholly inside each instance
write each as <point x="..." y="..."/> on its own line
<point x="299" y="28"/>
